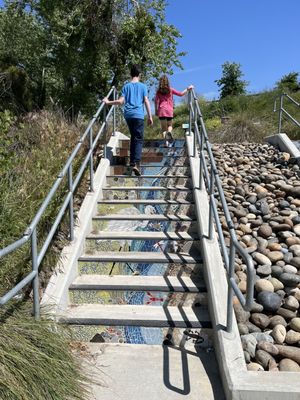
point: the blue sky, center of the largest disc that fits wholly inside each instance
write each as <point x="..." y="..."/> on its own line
<point x="261" y="35"/>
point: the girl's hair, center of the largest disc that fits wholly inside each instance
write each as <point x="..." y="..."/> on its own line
<point x="164" y="85"/>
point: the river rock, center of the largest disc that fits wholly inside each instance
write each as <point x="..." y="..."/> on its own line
<point x="291" y="280"/>
<point x="249" y="343"/>
<point x="261" y="259"/>
<point x="264" y="285"/>
<point x="277" y="320"/>
<point x="295" y="324"/>
<point x="256" y="308"/>
<point x="295" y="248"/>
<point x="296" y="229"/>
<point x="254" y="367"/>
<point x="285" y="313"/>
<point x="252" y="328"/>
<point x="270" y="301"/>
<point x="274" y="246"/>
<point x="290" y="269"/>
<point x="288" y="365"/>
<point x="264" y="270"/>
<point x="292" y="337"/>
<point x="263" y="358"/>
<point x="291" y="352"/>
<point x="291" y="303"/>
<point x="276" y="270"/>
<point x="240" y="314"/>
<point x="243" y="329"/>
<point x="292" y="240"/>
<point x="275" y="256"/>
<point x="268" y="347"/>
<point x="295" y="261"/>
<point x="277" y="284"/>
<point x="265" y="231"/>
<point x="260" y="320"/>
<point x="263" y="337"/>
<point x="279" y="334"/>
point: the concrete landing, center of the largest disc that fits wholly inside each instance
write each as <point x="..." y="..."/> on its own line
<point x="145" y="372"/>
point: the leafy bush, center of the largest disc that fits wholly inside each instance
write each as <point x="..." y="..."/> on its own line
<point x="213" y="124"/>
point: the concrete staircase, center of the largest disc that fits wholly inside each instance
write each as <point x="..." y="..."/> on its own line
<point x="140" y="287"/>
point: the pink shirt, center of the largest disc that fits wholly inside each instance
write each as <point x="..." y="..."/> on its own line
<point x="164" y="103"/>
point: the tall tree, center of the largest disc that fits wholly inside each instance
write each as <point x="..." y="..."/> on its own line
<point x="231" y="83"/>
<point x="289" y="82"/>
<point x="91" y="43"/>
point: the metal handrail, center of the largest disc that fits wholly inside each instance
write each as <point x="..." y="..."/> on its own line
<point x="209" y="175"/>
<point x="282" y="111"/>
<point x="67" y="170"/>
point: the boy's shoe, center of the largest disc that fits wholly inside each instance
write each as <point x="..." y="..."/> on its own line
<point x="136" y="170"/>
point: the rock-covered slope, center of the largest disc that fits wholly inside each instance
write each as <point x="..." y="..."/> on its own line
<point x="262" y="189"/>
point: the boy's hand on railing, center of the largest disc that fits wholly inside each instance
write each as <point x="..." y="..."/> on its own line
<point x="105" y="100"/>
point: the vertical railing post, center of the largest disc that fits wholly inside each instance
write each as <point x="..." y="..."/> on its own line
<point x="114" y="114"/>
<point x="71" y="203"/>
<point x="35" y="284"/>
<point x="230" y="290"/>
<point x="280" y="113"/>
<point x="190" y="108"/>
<point x="211" y="199"/>
<point x="195" y="122"/>
<point x="91" y="160"/>
<point x="201" y="163"/>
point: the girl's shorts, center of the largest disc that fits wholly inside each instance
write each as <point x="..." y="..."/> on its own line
<point x="166" y="118"/>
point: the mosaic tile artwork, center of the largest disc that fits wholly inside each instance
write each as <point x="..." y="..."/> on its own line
<point x="162" y="165"/>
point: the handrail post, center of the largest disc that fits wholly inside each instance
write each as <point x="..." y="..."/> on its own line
<point x="71" y="203"/>
<point x="200" y="155"/>
<point x="91" y="160"/>
<point x="280" y="113"/>
<point x="230" y="289"/>
<point x="190" y="109"/>
<point x="195" y="121"/>
<point x="114" y="114"/>
<point x="35" y="284"/>
<point x="211" y="199"/>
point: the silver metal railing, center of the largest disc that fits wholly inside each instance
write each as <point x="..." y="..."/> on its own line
<point x="210" y="178"/>
<point x="282" y="111"/>
<point x="67" y="171"/>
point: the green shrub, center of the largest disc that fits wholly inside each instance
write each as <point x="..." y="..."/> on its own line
<point x="36" y="360"/>
<point x="213" y="124"/>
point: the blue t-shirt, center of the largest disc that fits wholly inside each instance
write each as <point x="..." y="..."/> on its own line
<point x="134" y="94"/>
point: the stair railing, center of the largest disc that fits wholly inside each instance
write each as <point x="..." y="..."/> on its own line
<point x="30" y="234"/>
<point x="209" y="176"/>
<point x="282" y="111"/>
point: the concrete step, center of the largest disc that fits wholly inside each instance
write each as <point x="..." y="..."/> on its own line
<point x="136" y="371"/>
<point x="194" y="271"/>
<point x="154" y="150"/>
<point x="159" y="159"/>
<point x="137" y="315"/>
<point x="179" y="176"/>
<point x="149" y="188"/>
<point x="182" y="284"/>
<point x="142" y="235"/>
<point x="142" y="257"/>
<point x="144" y="217"/>
<point x="152" y="169"/>
<point x="180" y="143"/>
<point x="148" y="181"/>
<point x="146" y="201"/>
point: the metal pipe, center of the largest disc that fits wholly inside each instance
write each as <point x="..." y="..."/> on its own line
<point x="35" y="268"/>
<point x="230" y="290"/>
<point x="91" y="161"/>
<point x="54" y="228"/>
<point x="290" y="117"/>
<point x="280" y="114"/>
<point x="15" y="290"/>
<point x="114" y="114"/>
<point x="71" y="203"/>
<point x="190" y="109"/>
<point x="8" y="249"/>
<point x="211" y="200"/>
